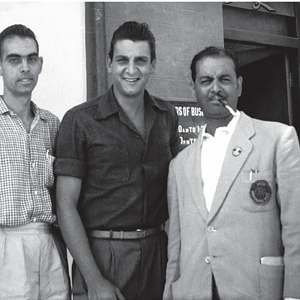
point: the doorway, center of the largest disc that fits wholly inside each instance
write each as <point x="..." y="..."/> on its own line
<point x="266" y="89"/>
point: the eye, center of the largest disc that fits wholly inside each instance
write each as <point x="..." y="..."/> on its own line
<point x="14" y="60"/>
<point x="33" y="59"/>
<point x="142" y="59"/>
<point x="225" y="79"/>
<point x="205" y="81"/>
<point x="121" y="60"/>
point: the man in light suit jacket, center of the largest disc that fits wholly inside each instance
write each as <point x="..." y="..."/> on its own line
<point x="234" y="198"/>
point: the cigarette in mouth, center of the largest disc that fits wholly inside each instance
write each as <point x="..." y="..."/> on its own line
<point x="228" y="107"/>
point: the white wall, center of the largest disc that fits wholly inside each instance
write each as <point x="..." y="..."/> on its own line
<point x="60" y="30"/>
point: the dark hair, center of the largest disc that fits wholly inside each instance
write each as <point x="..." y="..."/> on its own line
<point x="215" y="52"/>
<point x="17" y="30"/>
<point x="133" y="31"/>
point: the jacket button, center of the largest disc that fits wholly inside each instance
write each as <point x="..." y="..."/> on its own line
<point x="207" y="259"/>
<point x="211" y="229"/>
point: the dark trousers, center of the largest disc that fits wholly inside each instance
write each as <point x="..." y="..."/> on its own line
<point x="136" y="267"/>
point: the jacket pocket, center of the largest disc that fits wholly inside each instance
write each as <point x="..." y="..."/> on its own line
<point x="258" y="191"/>
<point x="271" y="281"/>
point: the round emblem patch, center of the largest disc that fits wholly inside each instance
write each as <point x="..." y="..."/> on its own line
<point x="260" y="192"/>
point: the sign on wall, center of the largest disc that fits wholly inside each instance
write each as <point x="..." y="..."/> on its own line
<point x="191" y="121"/>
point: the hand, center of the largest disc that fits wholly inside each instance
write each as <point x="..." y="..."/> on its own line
<point x="104" y="290"/>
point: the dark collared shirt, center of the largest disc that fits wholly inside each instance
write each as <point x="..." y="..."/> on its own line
<point x="124" y="176"/>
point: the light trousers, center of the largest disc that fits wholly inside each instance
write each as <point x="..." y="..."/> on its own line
<point x="33" y="264"/>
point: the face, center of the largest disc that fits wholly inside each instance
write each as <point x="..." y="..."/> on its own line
<point x="20" y="66"/>
<point x="130" y="67"/>
<point x="216" y="79"/>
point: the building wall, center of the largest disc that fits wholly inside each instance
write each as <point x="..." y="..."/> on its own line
<point x="60" y="29"/>
<point x="181" y="29"/>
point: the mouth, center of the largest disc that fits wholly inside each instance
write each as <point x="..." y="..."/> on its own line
<point x="25" y="80"/>
<point x="131" y="80"/>
<point x="218" y="100"/>
<point x="222" y="101"/>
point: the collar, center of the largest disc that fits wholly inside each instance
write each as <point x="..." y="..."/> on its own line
<point x="229" y="129"/>
<point x="108" y="104"/>
<point x="37" y="112"/>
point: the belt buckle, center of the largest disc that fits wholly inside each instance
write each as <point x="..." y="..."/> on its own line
<point x="143" y="231"/>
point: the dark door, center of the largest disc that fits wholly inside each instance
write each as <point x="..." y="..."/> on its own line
<point x="265" y="89"/>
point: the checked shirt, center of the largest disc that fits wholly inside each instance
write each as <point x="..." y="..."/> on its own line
<point x="26" y="167"/>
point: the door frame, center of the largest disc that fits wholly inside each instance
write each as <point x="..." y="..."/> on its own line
<point x="291" y="46"/>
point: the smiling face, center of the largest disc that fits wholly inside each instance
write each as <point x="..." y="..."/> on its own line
<point x="216" y="80"/>
<point x="20" y="66"/>
<point x="130" y="67"/>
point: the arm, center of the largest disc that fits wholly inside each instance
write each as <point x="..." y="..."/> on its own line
<point x="174" y="244"/>
<point x="68" y="191"/>
<point x="288" y="195"/>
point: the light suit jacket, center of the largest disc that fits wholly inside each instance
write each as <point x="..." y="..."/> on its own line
<point x="250" y="239"/>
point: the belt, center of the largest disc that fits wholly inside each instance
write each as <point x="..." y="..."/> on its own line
<point x="125" y="235"/>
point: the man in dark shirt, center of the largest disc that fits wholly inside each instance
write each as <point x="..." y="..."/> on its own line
<point x="112" y="164"/>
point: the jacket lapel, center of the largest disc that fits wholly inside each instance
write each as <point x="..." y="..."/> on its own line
<point x="237" y="153"/>
<point x="194" y="178"/>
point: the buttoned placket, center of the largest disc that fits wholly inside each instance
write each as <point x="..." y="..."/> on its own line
<point x="33" y="161"/>
<point x="150" y="117"/>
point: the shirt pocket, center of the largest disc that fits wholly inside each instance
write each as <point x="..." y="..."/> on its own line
<point x="258" y="191"/>
<point x="48" y="170"/>
<point x="109" y="163"/>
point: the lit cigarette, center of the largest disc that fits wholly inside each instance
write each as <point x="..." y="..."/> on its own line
<point x="228" y="107"/>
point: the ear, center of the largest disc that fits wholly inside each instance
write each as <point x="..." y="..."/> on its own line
<point x="239" y="85"/>
<point x="193" y="87"/>
<point x="108" y="64"/>
<point x="153" y="65"/>
<point x="41" y="64"/>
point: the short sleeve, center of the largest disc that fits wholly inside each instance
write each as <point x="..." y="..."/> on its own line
<point x="70" y="149"/>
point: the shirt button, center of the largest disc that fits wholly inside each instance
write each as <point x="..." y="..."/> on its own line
<point x="35" y="192"/>
<point x="34" y="219"/>
<point x="33" y="165"/>
<point x="207" y="259"/>
<point x="210" y="229"/>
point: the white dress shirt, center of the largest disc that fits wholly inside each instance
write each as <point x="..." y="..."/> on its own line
<point x="212" y="156"/>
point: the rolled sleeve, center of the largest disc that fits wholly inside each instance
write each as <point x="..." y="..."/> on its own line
<point x="70" y="148"/>
<point x="69" y="167"/>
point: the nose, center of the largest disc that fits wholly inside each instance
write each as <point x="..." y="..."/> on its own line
<point x="131" y="68"/>
<point x="216" y="87"/>
<point x="24" y="66"/>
